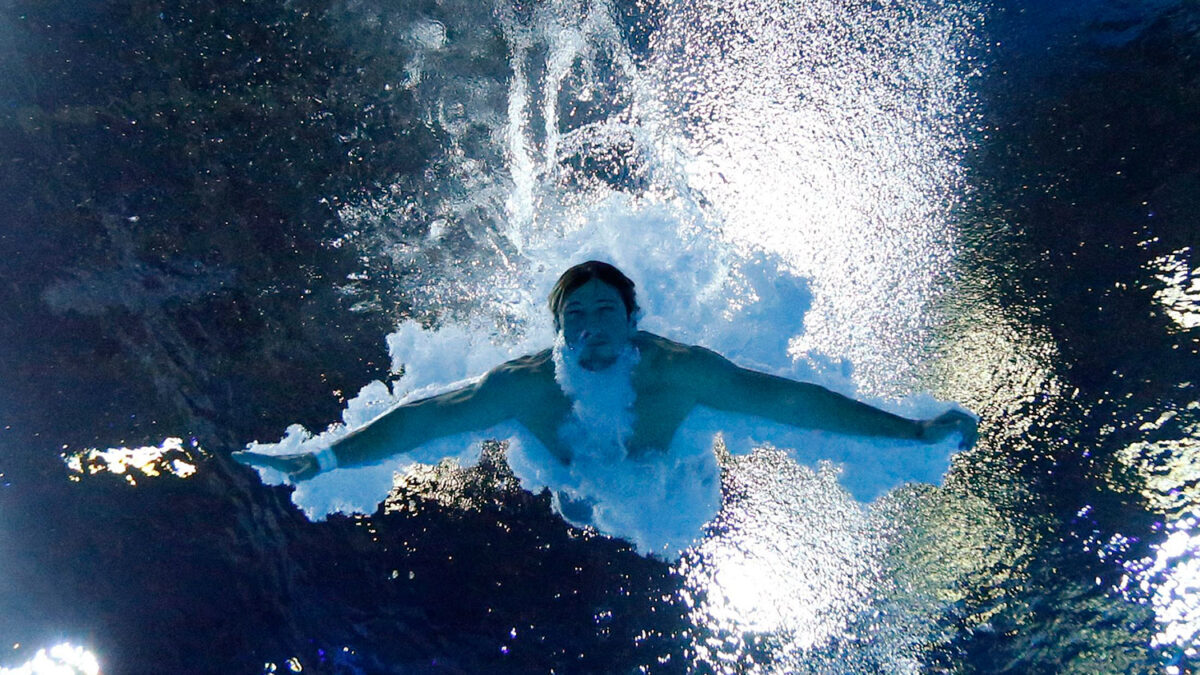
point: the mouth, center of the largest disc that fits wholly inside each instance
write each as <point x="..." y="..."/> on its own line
<point x="593" y="341"/>
<point x="596" y="363"/>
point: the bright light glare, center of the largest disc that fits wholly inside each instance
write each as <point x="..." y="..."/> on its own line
<point x="1169" y="474"/>
<point x="843" y="161"/>
<point x="170" y="457"/>
<point x="1180" y="297"/>
<point x="62" y="659"/>
<point x="1175" y="575"/>
<point x="796" y="556"/>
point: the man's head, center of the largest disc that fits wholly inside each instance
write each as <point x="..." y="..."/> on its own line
<point x="595" y="310"/>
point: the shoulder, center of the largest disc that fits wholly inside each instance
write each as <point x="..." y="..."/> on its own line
<point x="658" y="346"/>
<point x="677" y="359"/>
<point x="527" y="363"/>
<point x="522" y="371"/>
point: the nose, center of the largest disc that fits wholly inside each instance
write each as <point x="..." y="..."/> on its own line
<point x="590" y="336"/>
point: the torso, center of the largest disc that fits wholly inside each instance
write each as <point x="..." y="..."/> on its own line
<point x="662" y="398"/>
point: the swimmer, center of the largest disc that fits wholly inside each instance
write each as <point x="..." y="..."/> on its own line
<point x="607" y="385"/>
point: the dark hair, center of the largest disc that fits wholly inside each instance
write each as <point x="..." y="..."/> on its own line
<point x="584" y="272"/>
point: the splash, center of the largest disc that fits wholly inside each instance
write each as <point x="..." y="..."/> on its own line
<point x="780" y="192"/>
<point x="61" y="659"/>
<point x="622" y="495"/>
<point x="602" y="409"/>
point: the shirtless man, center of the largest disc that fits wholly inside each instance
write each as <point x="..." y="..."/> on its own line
<point x="595" y="317"/>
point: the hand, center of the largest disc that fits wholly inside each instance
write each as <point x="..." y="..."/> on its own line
<point x="949" y="422"/>
<point x="297" y="467"/>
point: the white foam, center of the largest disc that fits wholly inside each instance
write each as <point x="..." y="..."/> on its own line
<point x="601" y="420"/>
<point x="697" y="284"/>
<point x="747" y="307"/>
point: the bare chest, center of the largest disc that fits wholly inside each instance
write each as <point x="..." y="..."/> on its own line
<point x="657" y="414"/>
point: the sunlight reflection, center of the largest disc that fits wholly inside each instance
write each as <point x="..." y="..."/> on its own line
<point x="62" y="659"/>
<point x="990" y="359"/>
<point x="1170" y="479"/>
<point x="842" y="160"/>
<point x="1181" y="294"/>
<point x="1173" y="578"/>
<point x="945" y="546"/>
<point x="794" y="556"/>
<point x="171" y="457"/>
<point x="1169" y="471"/>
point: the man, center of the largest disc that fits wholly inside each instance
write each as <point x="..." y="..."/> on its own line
<point x="609" y="391"/>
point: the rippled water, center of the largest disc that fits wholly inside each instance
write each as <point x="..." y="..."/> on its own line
<point x="218" y="213"/>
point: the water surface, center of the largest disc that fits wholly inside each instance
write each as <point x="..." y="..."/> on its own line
<point x="218" y="213"/>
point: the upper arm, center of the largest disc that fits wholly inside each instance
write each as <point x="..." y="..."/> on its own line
<point x="710" y="377"/>
<point x="717" y="382"/>
<point x="723" y="385"/>
<point x="491" y="399"/>
<point x="486" y="402"/>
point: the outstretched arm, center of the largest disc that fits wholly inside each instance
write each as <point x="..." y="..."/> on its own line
<point x="482" y="404"/>
<point x="725" y="386"/>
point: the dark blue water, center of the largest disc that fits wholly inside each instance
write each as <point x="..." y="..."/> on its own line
<point x="175" y="264"/>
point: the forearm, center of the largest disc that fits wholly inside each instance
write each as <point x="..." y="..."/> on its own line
<point x="838" y="413"/>
<point x="400" y="430"/>
<point x="471" y="408"/>
<point x="807" y="405"/>
<point x="368" y="444"/>
<point x="395" y="432"/>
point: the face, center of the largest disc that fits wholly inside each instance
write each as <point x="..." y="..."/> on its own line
<point x="594" y="324"/>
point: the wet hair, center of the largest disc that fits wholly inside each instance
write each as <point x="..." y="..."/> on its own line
<point x="584" y="272"/>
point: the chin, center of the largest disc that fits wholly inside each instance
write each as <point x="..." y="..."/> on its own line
<point x="597" y="362"/>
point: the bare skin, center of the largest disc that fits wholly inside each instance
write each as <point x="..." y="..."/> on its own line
<point x="669" y="381"/>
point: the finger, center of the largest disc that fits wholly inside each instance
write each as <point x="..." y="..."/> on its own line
<point x="308" y="469"/>
<point x="969" y="436"/>
<point x="254" y="459"/>
<point x="244" y="457"/>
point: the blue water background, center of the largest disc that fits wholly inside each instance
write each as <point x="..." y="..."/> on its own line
<point x="171" y="193"/>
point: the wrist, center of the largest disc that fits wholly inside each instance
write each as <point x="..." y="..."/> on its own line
<point x="326" y="460"/>
<point x="919" y="430"/>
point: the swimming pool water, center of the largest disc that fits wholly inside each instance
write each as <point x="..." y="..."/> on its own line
<point x="217" y="213"/>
